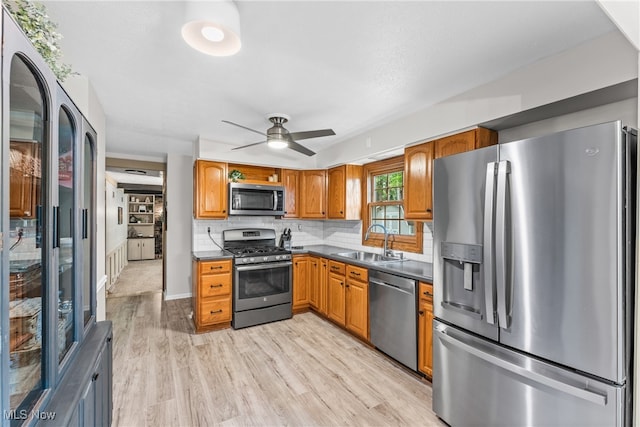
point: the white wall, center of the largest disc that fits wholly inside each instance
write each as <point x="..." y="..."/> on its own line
<point x="116" y="234"/>
<point x="179" y="205"/>
<point x="85" y="98"/>
<point x="602" y="62"/>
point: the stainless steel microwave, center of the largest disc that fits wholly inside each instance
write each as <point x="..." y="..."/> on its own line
<point x="255" y="199"/>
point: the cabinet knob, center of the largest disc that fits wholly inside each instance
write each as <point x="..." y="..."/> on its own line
<point x="341" y="283"/>
<point x="323" y="213"/>
<point x="421" y="312"/>
<point x="428" y="294"/>
<point x="428" y="210"/>
<point x="224" y="211"/>
<point x="347" y="286"/>
<point x="95" y="376"/>
<point x="341" y="212"/>
<point x="285" y="212"/>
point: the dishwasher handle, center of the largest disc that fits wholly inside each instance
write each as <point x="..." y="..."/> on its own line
<point x="388" y="285"/>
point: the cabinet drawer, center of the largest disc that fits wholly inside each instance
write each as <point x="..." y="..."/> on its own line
<point x="336" y="267"/>
<point x="215" y="311"/>
<point x="426" y="291"/>
<point x="215" y="284"/>
<point x="215" y="267"/>
<point x="358" y="273"/>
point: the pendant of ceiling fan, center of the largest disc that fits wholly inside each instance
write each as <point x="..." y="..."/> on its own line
<point x="279" y="137"/>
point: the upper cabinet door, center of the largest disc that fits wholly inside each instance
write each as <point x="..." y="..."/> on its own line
<point x="312" y="193"/>
<point x="66" y="226"/>
<point x="26" y="110"/>
<point x="345" y="192"/>
<point x="337" y="192"/>
<point x="210" y="198"/>
<point x="88" y="223"/>
<point x="465" y="141"/>
<point x="418" y="163"/>
<point x="291" y="182"/>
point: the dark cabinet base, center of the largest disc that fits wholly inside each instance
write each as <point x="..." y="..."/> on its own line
<point x="84" y="396"/>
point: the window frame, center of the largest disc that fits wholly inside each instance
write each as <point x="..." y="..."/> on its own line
<point x="376" y="239"/>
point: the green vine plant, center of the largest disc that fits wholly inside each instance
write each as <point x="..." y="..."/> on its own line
<point x="34" y="21"/>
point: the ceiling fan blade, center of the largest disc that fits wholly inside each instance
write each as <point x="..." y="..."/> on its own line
<point x="299" y="148"/>
<point x="244" y="127"/>
<point x="311" y="134"/>
<point x="250" y="145"/>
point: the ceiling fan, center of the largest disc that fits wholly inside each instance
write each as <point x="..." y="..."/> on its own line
<point x="279" y="137"/>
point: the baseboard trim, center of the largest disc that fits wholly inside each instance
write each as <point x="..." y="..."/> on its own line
<point x="177" y="296"/>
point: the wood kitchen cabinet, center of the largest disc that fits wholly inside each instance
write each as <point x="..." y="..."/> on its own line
<point x="344" y="193"/>
<point x="318" y="284"/>
<point x="425" y="329"/>
<point x="22" y="181"/>
<point x="357" y="301"/>
<point x="211" y="294"/>
<point x="139" y="249"/>
<point x="336" y="292"/>
<point x="291" y="183"/>
<point x="210" y="190"/>
<point x="465" y="141"/>
<point x="312" y="198"/>
<point x="418" y="165"/>
<point x="301" y="272"/>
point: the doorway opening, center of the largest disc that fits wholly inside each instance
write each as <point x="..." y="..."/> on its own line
<point x="135" y="227"/>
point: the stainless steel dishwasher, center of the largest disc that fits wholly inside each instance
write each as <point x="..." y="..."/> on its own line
<point x="392" y="316"/>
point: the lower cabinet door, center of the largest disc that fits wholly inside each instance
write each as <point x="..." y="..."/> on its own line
<point x="357" y="302"/>
<point x="215" y="311"/>
<point x="336" y="293"/>
<point x="425" y="337"/>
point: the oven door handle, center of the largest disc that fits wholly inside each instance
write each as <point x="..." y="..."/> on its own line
<point x="263" y="266"/>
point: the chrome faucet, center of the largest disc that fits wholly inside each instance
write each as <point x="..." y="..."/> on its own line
<point x="386" y="236"/>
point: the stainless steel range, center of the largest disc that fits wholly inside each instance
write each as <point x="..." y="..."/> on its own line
<point x="262" y="276"/>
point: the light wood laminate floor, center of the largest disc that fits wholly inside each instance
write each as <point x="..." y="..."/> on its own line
<point x="302" y="371"/>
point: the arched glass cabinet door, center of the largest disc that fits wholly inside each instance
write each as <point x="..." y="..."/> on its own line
<point x="28" y="154"/>
<point x="66" y="225"/>
<point x="88" y="225"/>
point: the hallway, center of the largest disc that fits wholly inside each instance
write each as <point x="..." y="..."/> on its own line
<point x="137" y="278"/>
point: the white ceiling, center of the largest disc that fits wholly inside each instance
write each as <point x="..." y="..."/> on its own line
<point x="349" y="66"/>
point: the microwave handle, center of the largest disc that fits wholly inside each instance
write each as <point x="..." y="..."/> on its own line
<point x="275" y="200"/>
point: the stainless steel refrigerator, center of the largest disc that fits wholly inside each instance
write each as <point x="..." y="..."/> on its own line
<point x="534" y="273"/>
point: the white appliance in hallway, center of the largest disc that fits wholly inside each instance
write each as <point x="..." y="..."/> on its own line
<point x="534" y="270"/>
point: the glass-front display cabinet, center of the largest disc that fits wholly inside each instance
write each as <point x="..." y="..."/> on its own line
<point x="48" y="229"/>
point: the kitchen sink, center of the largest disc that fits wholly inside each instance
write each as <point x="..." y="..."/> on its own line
<point x="368" y="256"/>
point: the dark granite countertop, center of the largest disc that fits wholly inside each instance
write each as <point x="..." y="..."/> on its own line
<point x="408" y="268"/>
<point x="211" y="255"/>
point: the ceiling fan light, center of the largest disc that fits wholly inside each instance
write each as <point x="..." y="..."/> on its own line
<point x="278" y="144"/>
<point x="212" y="27"/>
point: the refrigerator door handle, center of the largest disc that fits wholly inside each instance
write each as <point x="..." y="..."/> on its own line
<point x="532" y="376"/>
<point x="504" y="169"/>
<point x="488" y="250"/>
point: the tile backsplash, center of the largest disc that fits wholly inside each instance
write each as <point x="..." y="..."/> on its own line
<point x="346" y="234"/>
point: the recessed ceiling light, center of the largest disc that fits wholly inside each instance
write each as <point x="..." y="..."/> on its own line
<point x="213" y="34"/>
<point x="212" y="27"/>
